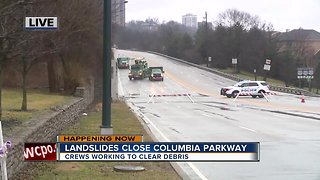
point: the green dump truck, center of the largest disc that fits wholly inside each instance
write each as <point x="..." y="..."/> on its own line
<point x="123" y="62"/>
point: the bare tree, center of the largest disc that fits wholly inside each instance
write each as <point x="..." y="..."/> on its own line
<point x="8" y="29"/>
<point x="79" y="32"/>
<point x="77" y="39"/>
<point x="28" y="53"/>
<point x="234" y="17"/>
<point x="243" y="36"/>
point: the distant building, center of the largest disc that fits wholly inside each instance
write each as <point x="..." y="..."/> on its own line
<point x="190" y="20"/>
<point x="304" y="43"/>
<point x="118" y="12"/>
<point x="298" y="37"/>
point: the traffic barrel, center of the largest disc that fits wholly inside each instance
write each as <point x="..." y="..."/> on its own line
<point x="302" y="99"/>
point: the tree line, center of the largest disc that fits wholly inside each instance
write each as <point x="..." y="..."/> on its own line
<point x="235" y="34"/>
<point x="71" y="53"/>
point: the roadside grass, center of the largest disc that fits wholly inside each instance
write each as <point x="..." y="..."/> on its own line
<point x="250" y="76"/>
<point x="124" y="122"/>
<point x="38" y="101"/>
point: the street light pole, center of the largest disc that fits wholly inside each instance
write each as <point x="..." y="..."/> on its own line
<point x="106" y="128"/>
<point x="124" y="9"/>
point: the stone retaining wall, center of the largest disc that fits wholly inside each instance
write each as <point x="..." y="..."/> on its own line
<point x="46" y="128"/>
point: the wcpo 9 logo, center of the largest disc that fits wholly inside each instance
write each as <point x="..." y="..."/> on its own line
<point x="41" y="23"/>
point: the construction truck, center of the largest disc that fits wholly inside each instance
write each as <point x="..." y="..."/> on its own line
<point x="156" y="73"/>
<point x="123" y="62"/>
<point x="140" y="70"/>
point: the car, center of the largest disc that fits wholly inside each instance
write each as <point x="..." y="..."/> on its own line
<point x="156" y="73"/>
<point x="246" y="88"/>
<point x="123" y="62"/>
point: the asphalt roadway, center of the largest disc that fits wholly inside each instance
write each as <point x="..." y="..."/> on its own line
<point x="288" y="130"/>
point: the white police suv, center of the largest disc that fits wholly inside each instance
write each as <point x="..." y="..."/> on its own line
<point x="246" y="88"/>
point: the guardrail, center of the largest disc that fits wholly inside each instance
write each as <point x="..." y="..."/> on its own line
<point x="237" y="78"/>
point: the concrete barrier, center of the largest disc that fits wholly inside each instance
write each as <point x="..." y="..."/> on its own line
<point x="237" y="78"/>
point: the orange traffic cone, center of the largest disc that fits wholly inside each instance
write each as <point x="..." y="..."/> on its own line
<point x="302" y="99"/>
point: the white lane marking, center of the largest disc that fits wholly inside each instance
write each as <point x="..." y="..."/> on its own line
<point x="194" y="168"/>
<point x="148" y="121"/>
<point x="247" y="129"/>
<point x="120" y="89"/>
<point x="207" y="115"/>
<point x="197" y="171"/>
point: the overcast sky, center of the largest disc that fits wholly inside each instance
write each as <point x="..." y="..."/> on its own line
<point x="283" y="14"/>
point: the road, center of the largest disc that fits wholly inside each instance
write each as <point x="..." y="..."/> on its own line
<point x="288" y="130"/>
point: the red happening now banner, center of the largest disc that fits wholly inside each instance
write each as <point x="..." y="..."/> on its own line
<point x="40" y="152"/>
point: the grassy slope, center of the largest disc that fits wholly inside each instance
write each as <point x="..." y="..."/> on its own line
<point x="37" y="101"/>
<point x="124" y="122"/>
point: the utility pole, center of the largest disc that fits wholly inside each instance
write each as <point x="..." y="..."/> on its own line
<point x="206" y="37"/>
<point x="106" y="128"/>
<point x="206" y="18"/>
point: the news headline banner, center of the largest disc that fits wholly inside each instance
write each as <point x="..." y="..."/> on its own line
<point x="160" y="151"/>
<point x="89" y="138"/>
<point x="49" y="151"/>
